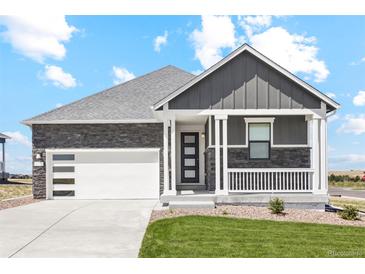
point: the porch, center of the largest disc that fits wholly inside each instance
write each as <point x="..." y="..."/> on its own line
<point x="240" y="181"/>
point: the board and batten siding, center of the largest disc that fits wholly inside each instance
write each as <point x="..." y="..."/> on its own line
<point x="287" y="130"/>
<point x="245" y="82"/>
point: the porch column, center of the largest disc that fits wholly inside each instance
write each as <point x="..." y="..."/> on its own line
<point x="165" y="157"/>
<point x="173" y="156"/>
<point x="315" y="155"/>
<point x="225" y="159"/>
<point x="323" y="156"/>
<point x="217" y="155"/>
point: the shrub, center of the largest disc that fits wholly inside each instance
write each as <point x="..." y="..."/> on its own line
<point x="276" y="206"/>
<point x="225" y="212"/>
<point x="349" y="213"/>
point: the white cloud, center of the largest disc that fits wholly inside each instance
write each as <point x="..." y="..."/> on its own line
<point x="58" y="105"/>
<point x="353" y="124"/>
<point x="58" y="77"/>
<point x="159" y="41"/>
<point x="296" y="53"/>
<point x="197" y="72"/>
<point x="122" y="75"/>
<point x="259" y="20"/>
<point x="331" y="95"/>
<point x="18" y="137"/>
<point x="359" y="99"/>
<point x="38" y="37"/>
<point x="333" y="118"/>
<point x="217" y="33"/>
<point x="253" y="24"/>
<point x="349" y="158"/>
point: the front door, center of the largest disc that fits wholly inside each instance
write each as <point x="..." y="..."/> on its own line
<point x="190" y="157"/>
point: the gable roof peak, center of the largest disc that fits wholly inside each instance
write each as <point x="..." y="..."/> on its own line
<point x="263" y="58"/>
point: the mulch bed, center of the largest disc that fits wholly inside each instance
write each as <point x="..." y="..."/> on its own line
<point x="17" y="202"/>
<point x="261" y="213"/>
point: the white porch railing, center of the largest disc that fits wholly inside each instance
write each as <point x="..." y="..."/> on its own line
<point x="270" y="180"/>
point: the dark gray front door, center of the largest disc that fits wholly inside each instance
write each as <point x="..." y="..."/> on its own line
<point x="190" y="157"/>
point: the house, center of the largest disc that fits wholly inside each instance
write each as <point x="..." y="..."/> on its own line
<point x="242" y="131"/>
<point x="3" y="174"/>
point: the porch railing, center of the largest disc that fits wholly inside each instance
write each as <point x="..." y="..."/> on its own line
<point x="270" y="180"/>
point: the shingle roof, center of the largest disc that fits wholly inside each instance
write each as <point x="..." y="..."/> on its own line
<point x="131" y="100"/>
<point x="3" y="136"/>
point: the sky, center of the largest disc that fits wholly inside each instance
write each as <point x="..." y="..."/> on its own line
<point x="46" y="62"/>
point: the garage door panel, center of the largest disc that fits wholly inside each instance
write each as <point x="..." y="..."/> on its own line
<point x="132" y="174"/>
<point x="113" y="181"/>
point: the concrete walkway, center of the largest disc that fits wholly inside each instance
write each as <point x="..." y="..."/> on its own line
<point x="71" y="228"/>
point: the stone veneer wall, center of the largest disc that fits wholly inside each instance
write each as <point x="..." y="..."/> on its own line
<point x="144" y="135"/>
<point x="238" y="158"/>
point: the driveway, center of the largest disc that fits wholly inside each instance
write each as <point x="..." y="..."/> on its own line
<point x="71" y="228"/>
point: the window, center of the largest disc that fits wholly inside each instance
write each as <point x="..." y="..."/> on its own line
<point x="63" y="157"/>
<point x="259" y="141"/>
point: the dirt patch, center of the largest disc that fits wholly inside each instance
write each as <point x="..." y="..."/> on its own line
<point x="17" y="202"/>
<point x="261" y="213"/>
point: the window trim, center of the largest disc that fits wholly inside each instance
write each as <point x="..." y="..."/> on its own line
<point x="268" y="121"/>
<point x="258" y="120"/>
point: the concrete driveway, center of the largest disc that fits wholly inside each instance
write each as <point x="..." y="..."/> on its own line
<point x="70" y="228"/>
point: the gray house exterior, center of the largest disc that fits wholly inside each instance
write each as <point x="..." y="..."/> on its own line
<point x="243" y="131"/>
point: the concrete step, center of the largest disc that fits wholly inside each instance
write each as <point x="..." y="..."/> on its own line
<point x="191" y="204"/>
<point x="202" y="198"/>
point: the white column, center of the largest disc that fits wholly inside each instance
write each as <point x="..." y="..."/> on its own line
<point x="165" y="156"/>
<point x="315" y="155"/>
<point x="225" y="159"/>
<point x="173" y="157"/>
<point x="323" y="156"/>
<point x="217" y="156"/>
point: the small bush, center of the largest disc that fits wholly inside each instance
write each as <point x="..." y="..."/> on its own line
<point x="225" y="212"/>
<point x="276" y="206"/>
<point x="349" y="213"/>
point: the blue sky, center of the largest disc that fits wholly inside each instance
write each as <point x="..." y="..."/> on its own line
<point x="48" y="62"/>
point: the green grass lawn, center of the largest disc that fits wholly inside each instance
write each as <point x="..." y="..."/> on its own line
<point x="341" y="202"/>
<point x="204" y="236"/>
<point x="12" y="191"/>
<point x="348" y="184"/>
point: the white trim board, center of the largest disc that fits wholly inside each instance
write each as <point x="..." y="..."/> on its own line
<point x="246" y="47"/>
<point x="91" y="121"/>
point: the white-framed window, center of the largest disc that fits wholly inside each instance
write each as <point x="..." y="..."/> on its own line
<point x="259" y="140"/>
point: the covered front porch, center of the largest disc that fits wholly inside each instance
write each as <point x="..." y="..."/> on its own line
<point x="216" y="176"/>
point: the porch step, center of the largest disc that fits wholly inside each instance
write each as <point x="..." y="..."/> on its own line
<point x="191" y="204"/>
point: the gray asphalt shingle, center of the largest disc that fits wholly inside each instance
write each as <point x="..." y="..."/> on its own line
<point x="130" y="100"/>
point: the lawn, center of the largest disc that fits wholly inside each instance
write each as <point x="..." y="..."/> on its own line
<point x="12" y="191"/>
<point x="360" y="204"/>
<point x="348" y="184"/>
<point x="204" y="236"/>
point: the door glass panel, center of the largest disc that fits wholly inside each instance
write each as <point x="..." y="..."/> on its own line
<point x="63" y="169"/>
<point x="189" y="150"/>
<point x="189" y="139"/>
<point x="189" y="173"/>
<point x="189" y="162"/>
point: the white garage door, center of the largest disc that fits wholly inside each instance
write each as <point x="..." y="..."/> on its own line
<point x="103" y="174"/>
